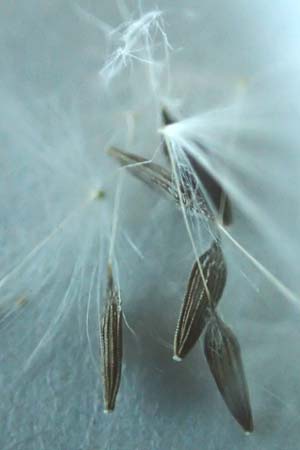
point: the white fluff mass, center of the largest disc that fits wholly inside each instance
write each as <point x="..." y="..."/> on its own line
<point x="75" y="79"/>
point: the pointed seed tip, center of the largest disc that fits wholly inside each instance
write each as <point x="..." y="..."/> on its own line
<point x="113" y="151"/>
<point x="166" y="116"/>
<point x="249" y="428"/>
<point x="109" y="150"/>
<point x="100" y="194"/>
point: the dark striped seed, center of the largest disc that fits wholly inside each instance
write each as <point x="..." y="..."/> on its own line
<point x="111" y="345"/>
<point x="149" y="172"/>
<point x="198" y="305"/>
<point x="223" y="355"/>
<point x="155" y="175"/>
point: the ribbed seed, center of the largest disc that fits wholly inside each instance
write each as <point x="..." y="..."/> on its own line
<point x="198" y="305"/>
<point x="148" y="172"/>
<point x="223" y="355"/>
<point x="155" y="175"/>
<point x="213" y="188"/>
<point x="111" y="345"/>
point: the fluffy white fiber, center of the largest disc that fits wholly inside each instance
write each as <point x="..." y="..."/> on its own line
<point x="76" y="78"/>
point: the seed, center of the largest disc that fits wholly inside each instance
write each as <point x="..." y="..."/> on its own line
<point x="111" y="345"/>
<point x="203" y="293"/>
<point x="212" y="186"/>
<point x="223" y="355"/>
<point x="149" y="172"/>
<point x="155" y="175"/>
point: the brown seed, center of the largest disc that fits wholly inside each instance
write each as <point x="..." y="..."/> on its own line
<point x="149" y="172"/>
<point x="111" y="345"/>
<point x="223" y="355"/>
<point x="155" y="175"/>
<point x="198" y="305"/>
<point x="214" y="189"/>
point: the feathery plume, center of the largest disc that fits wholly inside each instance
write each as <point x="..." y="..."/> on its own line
<point x="211" y="184"/>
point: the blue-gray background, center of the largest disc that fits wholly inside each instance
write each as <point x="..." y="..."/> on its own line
<point x="50" y="57"/>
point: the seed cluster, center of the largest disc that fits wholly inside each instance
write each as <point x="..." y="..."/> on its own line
<point x="205" y="287"/>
